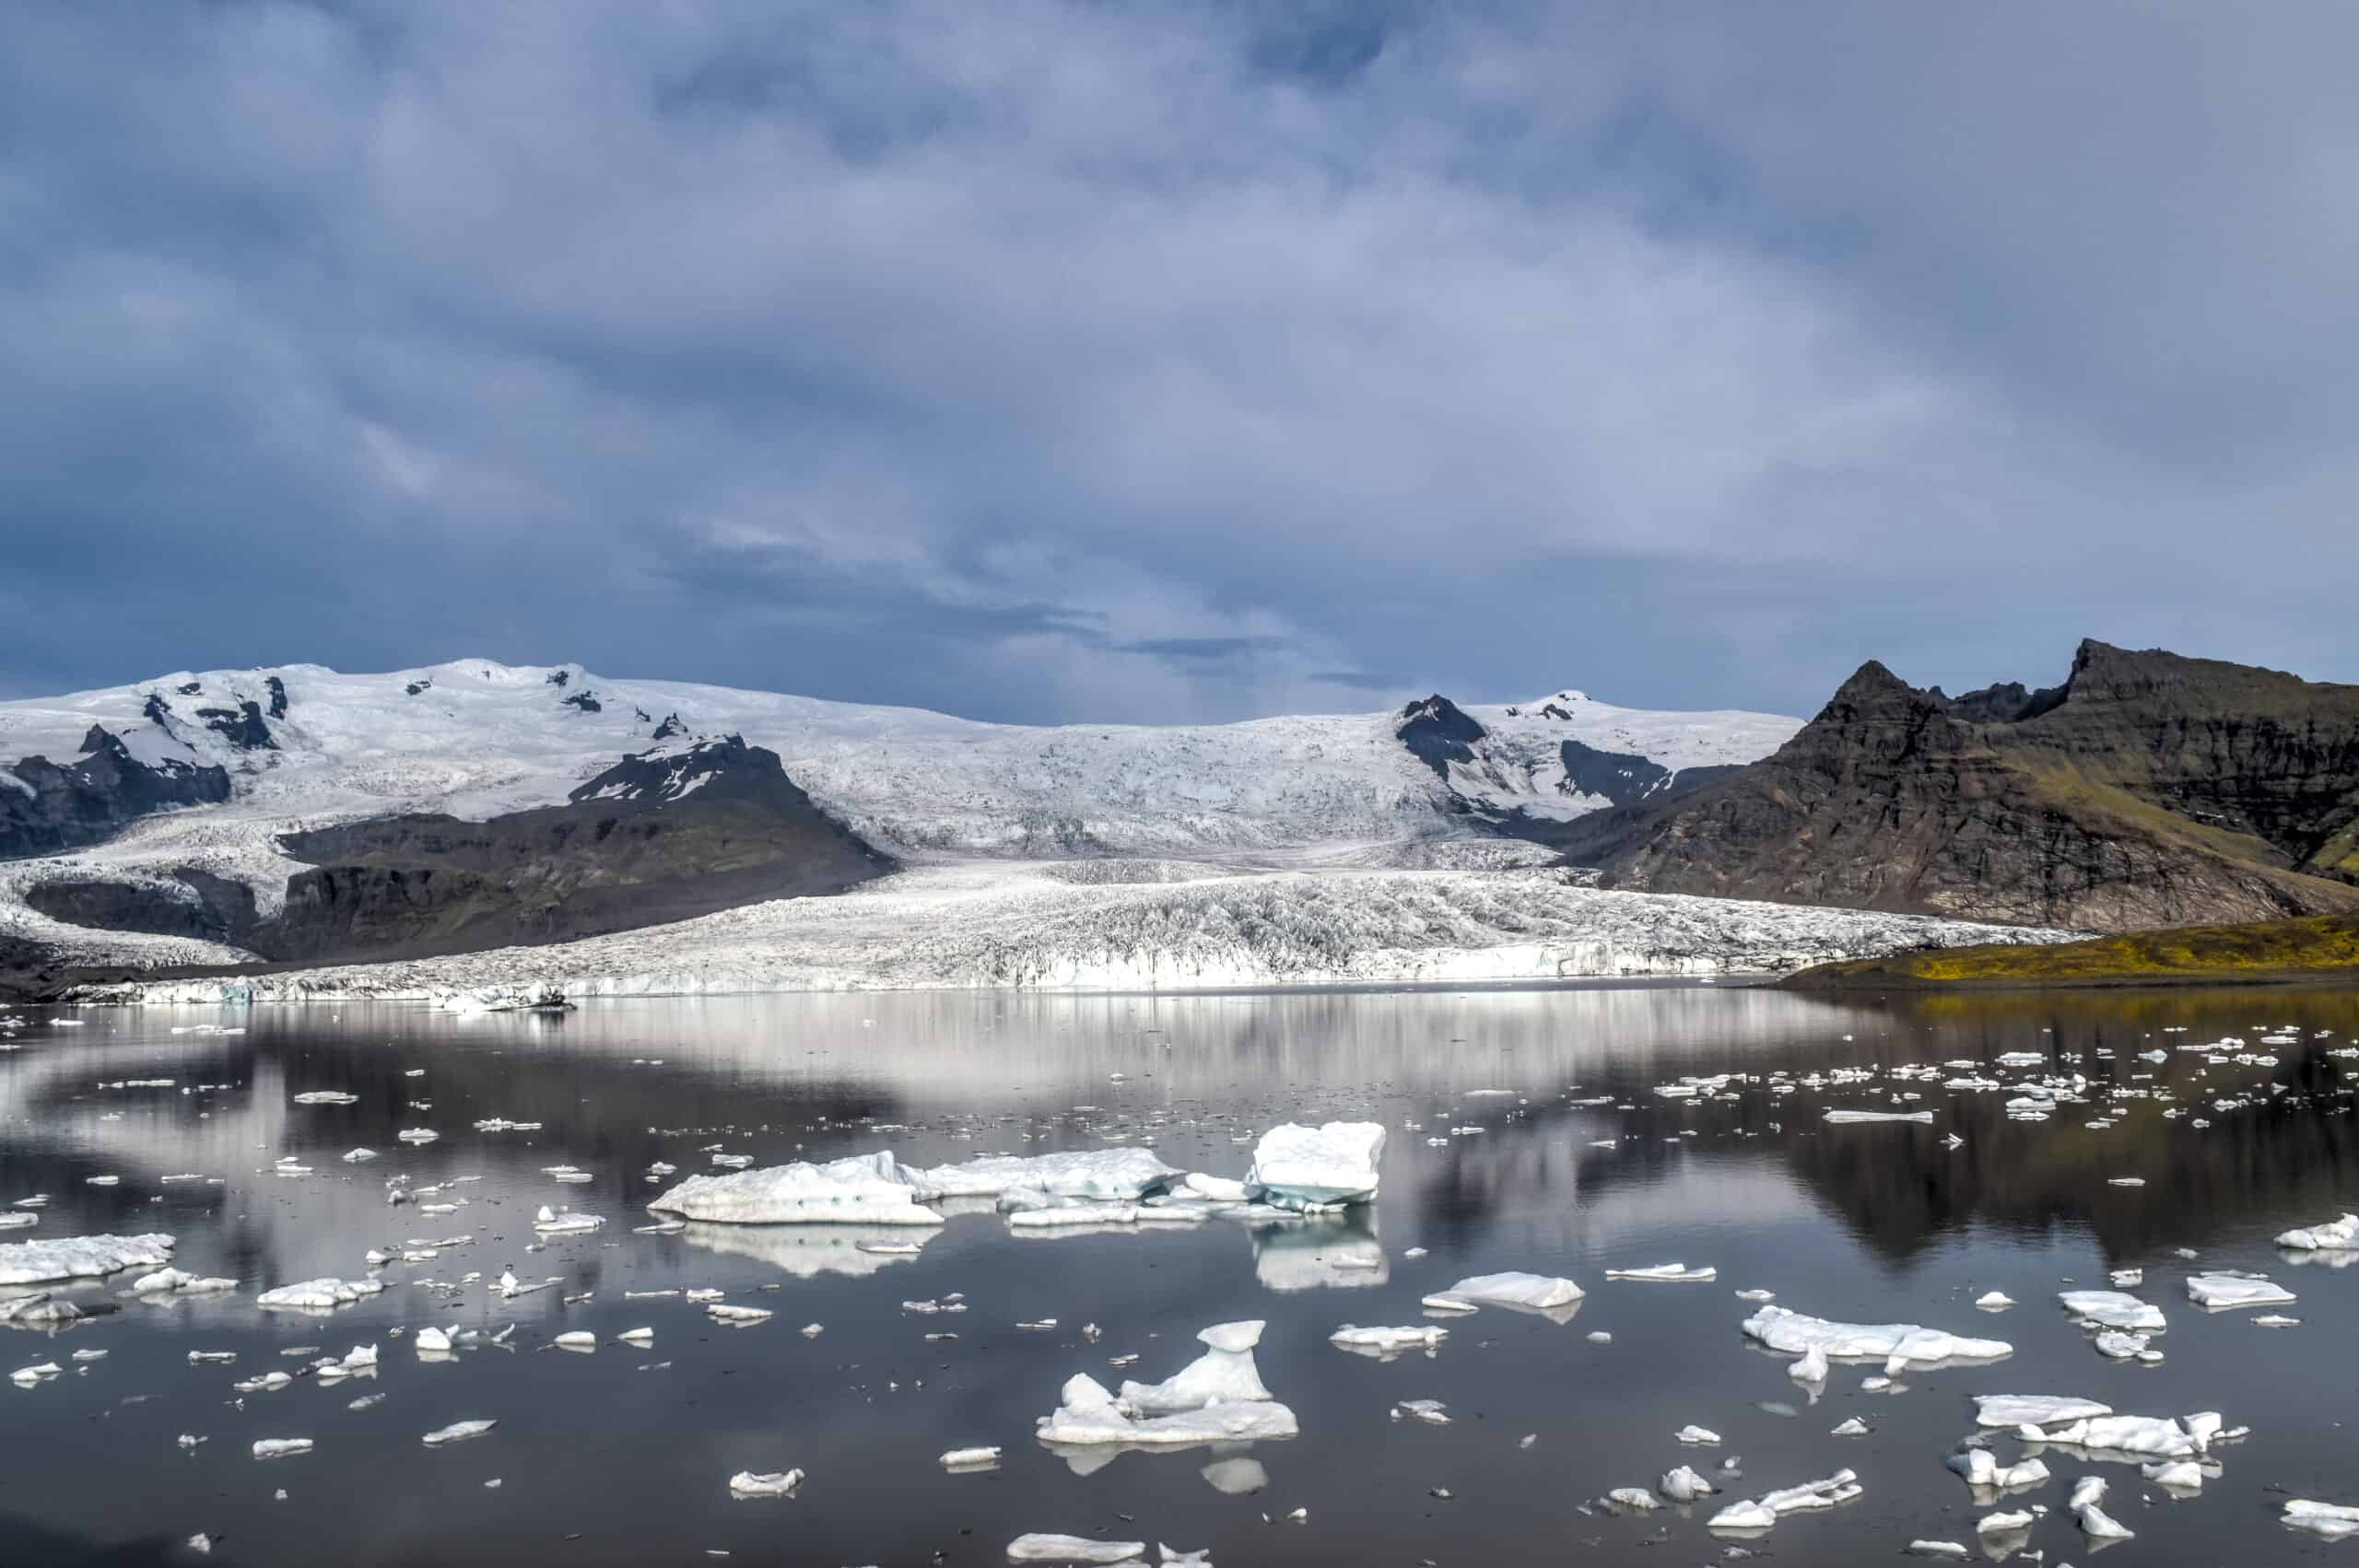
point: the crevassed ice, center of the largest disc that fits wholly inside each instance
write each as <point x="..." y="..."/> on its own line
<point x="1796" y="1333"/>
<point x="863" y="1189"/>
<point x="1296" y="1166"/>
<point x="80" y="1257"/>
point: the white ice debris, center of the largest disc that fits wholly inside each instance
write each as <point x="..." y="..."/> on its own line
<point x="982" y="1458"/>
<point x="864" y="1189"/>
<point x="457" y="1432"/>
<point x="280" y="1447"/>
<point x="80" y="1257"/>
<point x="2222" y="1291"/>
<point x="1387" y="1342"/>
<point x="2005" y="1524"/>
<point x="2144" y="1437"/>
<point x="1669" y="1273"/>
<point x="1109" y="1175"/>
<point x="1896" y="1344"/>
<point x="1683" y="1485"/>
<point x="175" y="1281"/>
<point x="429" y="1341"/>
<point x="319" y="1296"/>
<point x="1300" y="1167"/>
<point x="1218" y="1398"/>
<point x="2010" y="1411"/>
<point x="2113" y="1309"/>
<point x="1697" y="1436"/>
<point x="1760" y="1513"/>
<point x="2337" y="1235"/>
<point x="1994" y="1301"/>
<point x="1922" y="1547"/>
<point x="1839" y="1117"/>
<point x="776" y="1483"/>
<point x="1979" y="1467"/>
<point x="2095" y="1522"/>
<point x="1524" y="1292"/>
<point x="2332" y="1520"/>
<point x="1042" y="1548"/>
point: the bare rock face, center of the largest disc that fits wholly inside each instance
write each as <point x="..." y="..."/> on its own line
<point x="2148" y="790"/>
<point x="64" y="806"/>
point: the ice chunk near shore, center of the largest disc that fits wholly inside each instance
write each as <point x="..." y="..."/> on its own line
<point x="2332" y="1520"/>
<point x="776" y="1484"/>
<point x="1109" y="1174"/>
<point x="1897" y="1345"/>
<point x="1301" y="1167"/>
<point x="1665" y="1273"/>
<point x="457" y="1432"/>
<point x="1037" y="1546"/>
<point x="2339" y="1235"/>
<point x="2113" y="1309"/>
<point x="2221" y="1292"/>
<point x="319" y="1296"/>
<point x="863" y="1190"/>
<point x="1387" y="1343"/>
<point x="80" y="1257"/>
<point x="2007" y="1411"/>
<point x="1520" y="1292"/>
<point x="1760" y="1513"/>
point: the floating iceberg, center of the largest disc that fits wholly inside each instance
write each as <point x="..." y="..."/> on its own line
<point x="175" y="1281"/>
<point x="2332" y="1520"/>
<point x="80" y="1257"/>
<point x="1896" y="1344"/>
<point x="1524" y="1292"/>
<point x="1762" y="1511"/>
<point x="1667" y="1273"/>
<point x="1387" y="1343"/>
<point x="1840" y="1117"/>
<point x="2340" y="1236"/>
<point x="1980" y="1467"/>
<point x="1226" y="1372"/>
<point x="2144" y="1437"/>
<point x="1683" y="1485"/>
<point x="2113" y="1309"/>
<point x="319" y="1296"/>
<point x="1111" y="1175"/>
<point x="866" y="1190"/>
<point x="457" y="1432"/>
<point x="2221" y="1291"/>
<point x="280" y="1447"/>
<point x="1039" y="1548"/>
<point x="779" y="1483"/>
<point x="1298" y="1167"/>
<point x="971" y="1460"/>
<point x="1217" y="1398"/>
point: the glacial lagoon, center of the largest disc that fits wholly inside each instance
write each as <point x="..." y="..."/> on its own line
<point x="1565" y="1133"/>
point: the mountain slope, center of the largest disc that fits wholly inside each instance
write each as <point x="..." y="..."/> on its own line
<point x="2149" y="789"/>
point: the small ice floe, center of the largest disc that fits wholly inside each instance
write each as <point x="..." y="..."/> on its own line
<point x="39" y="1372"/>
<point x="2113" y="1309"/>
<point x="1697" y="1436"/>
<point x="326" y="1097"/>
<point x="1524" y="1292"/>
<point x="1665" y="1273"/>
<point x="2332" y="1520"/>
<point x="267" y="1383"/>
<point x="1810" y="1368"/>
<point x="15" y="1221"/>
<point x="91" y="1355"/>
<point x="319" y="1296"/>
<point x="812" y="1330"/>
<point x="2337" y="1235"/>
<point x="1600" y="1337"/>
<point x="1433" y="1412"/>
<point x="1683" y="1485"/>
<point x="731" y="1317"/>
<point x="80" y="1257"/>
<point x="1761" y="1513"/>
<point x="1756" y="1295"/>
<point x="1841" y="1117"/>
<point x="2125" y="1181"/>
<point x="2088" y="1493"/>
<point x="1316" y="1167"/>
<point x="1896" y="1344"/>
<point x="866" y="1190"/>
<point x="1994" y="1301"/>
<point x="2181" y="1476"/>
<point x="418" y="1137"/>
<point x="1951" y="1549"/>
<point x="2127" y="1279"/>
<point x="1854" y="1427"/>
<point x="1637" y="1499"/>
<point x="430" y="1341"/>
<point x="2013" y="1522"/>
<point x="175" y="1281"/>
<point x="190" y="1440"/>
<point x="576" y="1339"/>
<point x="2276" y="1320"/>
<point x="778" y="1483"/>
<point x="2224" y="1292"/>
<point x="1217" y="1398"/>
<point x="1980" y="1467"/>
<point x="2115" y="1345"/>
<point x="1036" y="1547"/>
<point x="281" y="1447"/>
<point x="966" y="1459"/>
<point x="101" y="1181"/>
<point x="1387" y="1343"/>
<point x="551" y="1223"/>
<point x="640" y="1337"/>
<point x="457" y="1432"/>
<point x="1110" y="1176"/>
<point x="354" y="1156"/>
<point x="2139" y="1437"/>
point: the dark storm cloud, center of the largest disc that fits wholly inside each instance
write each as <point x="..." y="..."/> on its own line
<point x="1045" y="359"/>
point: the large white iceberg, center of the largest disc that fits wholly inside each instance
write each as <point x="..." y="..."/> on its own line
<point x="864" y="1189"/>
<point x="1895" y="1344"/>
<point x="1109" y="1175"/>
<point x="1299" y="1168"/>
<point x="1217" y="1398"/>
<point x="80" y="1257"/>
<point x="2339" y="1235"/>
<point x="1525" y="1293"/>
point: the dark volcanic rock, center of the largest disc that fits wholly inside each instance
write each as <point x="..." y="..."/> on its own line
<point x="586" y="701"/>
<point x="670" y="727"/>
<point x="656" y="838"/>
<point x="2149" y="789"/>
<point x="66" y="807"/>
<point x="1439" y="732"/>
<point x="241" y="726"/>
<point x="204" y="905"/>
<point x="414" y="687"/>
<point x="278" y="689"/>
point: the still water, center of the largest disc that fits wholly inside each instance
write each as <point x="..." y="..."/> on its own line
<point x="623" y="1456"/>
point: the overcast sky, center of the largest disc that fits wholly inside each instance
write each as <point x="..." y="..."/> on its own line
<point x="1038" y="360"/>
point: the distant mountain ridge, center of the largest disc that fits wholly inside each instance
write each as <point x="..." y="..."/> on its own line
<point x="2148" y="790"/>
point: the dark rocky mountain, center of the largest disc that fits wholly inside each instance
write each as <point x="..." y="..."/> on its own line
<point x="659" y="837"/>
<point x="2148" y="790"/>
<point x="69" y="806"/>
<point x="1625" y="777"/>
<point x="1439" y="732"/>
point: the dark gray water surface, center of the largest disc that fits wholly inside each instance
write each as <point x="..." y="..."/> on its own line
<point x="623" y="1456"/>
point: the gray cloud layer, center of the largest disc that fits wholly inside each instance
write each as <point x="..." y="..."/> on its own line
<point x="1084" y="361"/>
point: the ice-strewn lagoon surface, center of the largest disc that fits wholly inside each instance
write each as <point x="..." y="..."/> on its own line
<point x="1526" y="1131"/>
